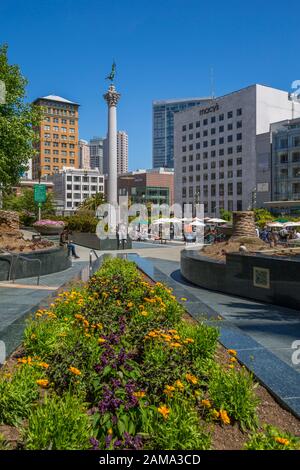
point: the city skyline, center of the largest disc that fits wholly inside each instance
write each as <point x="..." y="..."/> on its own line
<point x="233" y="40"/>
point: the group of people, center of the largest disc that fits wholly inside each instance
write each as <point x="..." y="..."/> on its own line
<point x="274" y="236"/>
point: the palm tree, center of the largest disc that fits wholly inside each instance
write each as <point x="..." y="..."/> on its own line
<point x="91" y="203"/>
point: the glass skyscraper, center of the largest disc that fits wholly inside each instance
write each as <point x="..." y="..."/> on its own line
<point x="163" y="128"/>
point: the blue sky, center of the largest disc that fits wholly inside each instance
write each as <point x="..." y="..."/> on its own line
<point x="163" y="49"/>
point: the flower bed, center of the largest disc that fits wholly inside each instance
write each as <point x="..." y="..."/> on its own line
<point x="49" y="227"/>
<point x="113" y="365"/>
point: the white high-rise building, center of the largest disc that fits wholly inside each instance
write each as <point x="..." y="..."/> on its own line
<point x="96" y="153"/>
<point x="84" y="154"/>
<point x="122" y="153"/>
<point x="216" y="146"/>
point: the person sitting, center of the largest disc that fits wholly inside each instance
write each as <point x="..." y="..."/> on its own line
<point x="64" y="240"/>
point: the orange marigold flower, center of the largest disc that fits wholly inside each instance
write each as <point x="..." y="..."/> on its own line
<point x="43" y="383"/>
<point x="179" y="384"/>
<point x="172" y="331"/>
<point x="169" y="389"/>
<point x="232" y="359"/>
<point x="282" y="440"/>
<point x="176" y="345"/>
<point x="130" y="304"/>
<point x="176" y="337"/>
<point x="164" y="410"/>
<point x="110" y="431"/>
<point x="43" y="364"/>
<point x="206" y="403"/>
<point x="74" y="370"/>
<point x="224" y="417"/>
<point x="191" y="378"/>
<point x="215" y="414"/>
<point x="232" y="352"/>
<point x="99" y="326"/>
<point x="139" y="394"/>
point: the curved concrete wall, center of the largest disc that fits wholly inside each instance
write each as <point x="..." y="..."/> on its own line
<point x="272" y="279"/>
<point x="52" y="260"/>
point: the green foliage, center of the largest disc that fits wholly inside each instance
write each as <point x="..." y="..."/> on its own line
<point x="82" y="222"/>
<point x="262" y="217"/>
<point x="226" y="215"/>
<point x="181" y="431"/>
<point x="60" y="423"/>
<point x="92" y="203"/>
<point x="233" y="391"/>
<point x="27" y="207"/>
<point x="17" y="122"/>
<point x="272" y="438"/>
<point x="18" y="393"/>
<point x="4" y="445"/>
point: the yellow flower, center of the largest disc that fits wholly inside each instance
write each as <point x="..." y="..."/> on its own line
<point x="101" y="340"/>
<point x="33" y="336"/>
<point x="179" y="385"/>
<point x="173" y="332"/>
<point x="118" y="302"/>
<point x="231" y="366"/>
<point x="74" y="370"/>
<point x="130" y="304"/>
<point x="183" y="299"/>
<point x="164" y="410"/>
<point x="206" y="403"/>
<point x="144" y="313"/>
<point x="105" y="294"/>
<point x="43" y="383"/>
<point x="176" y="337"/>
<point x="43" y="364"/>
<point x="86" y="323"/>
<point x="232" y="352"/>
<point x="109" y="432"/>
<point x="215" y="414"/>
<point x="189" y="340"/>
<point x="232" y="359"/>
<point x="168" y="390"/>
<point x="139" y="394"/>
<point x="191" y="378"/>
<point x="25" y="360"/>
<point x="99" y="326"/>
<point x="282" y="440"/>
<point x="224" y="417"/>
<point x="152" y="334"/>
<point x="176" y="345"/>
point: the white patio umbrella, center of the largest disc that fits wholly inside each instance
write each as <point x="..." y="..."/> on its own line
<point x="217" y="221"/>
<point x="197" y="223"/>
<point x="275" y="225"/>
<point x="291" y="224"/>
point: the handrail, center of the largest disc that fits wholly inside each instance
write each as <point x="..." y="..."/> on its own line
<point x="10" y="262"/>
<point x="18" y="257"/>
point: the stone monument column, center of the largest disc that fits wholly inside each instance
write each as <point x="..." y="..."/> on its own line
<point x="112" y="98"/>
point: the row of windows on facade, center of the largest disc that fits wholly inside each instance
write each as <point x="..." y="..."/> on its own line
<point x="56" y="160"/>
<point x="239" y="160"/>
<point x="205" y="143"/>
<point x="56" y="152"/>
<point x="197" y="135"/>
<point x="230" y="206"/>
<point x="289" y="173"/>
<point x="57" y="136"/>
<point x="213" y="164"/>
<point x="62" y="121"/>
<point x="78" y="187"/>
<point x="79" y="195"/>
<point x="56" y="144"/>
<point x="56" y="169"/>
<point x="287" y="191"/>
<point x="213" y="119"/>
<point x="213" y="190"/>
<point x="85" y="179"/>
<point x="283" y="143"/>
<point x="293" y="157"/>
<point x="213" y="176"/>
<point x="61" y="129"/>
<point x="65" y="112"/>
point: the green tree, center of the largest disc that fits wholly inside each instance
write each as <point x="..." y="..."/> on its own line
<point x="262" y="217"/>
<point x="226" y="215"/>
<point x="25" y="203"/>
<point x="17" y="123"/>
<point x="91" y="203"/>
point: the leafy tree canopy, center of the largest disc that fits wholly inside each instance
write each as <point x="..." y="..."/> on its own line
<point x="17" y="122"/>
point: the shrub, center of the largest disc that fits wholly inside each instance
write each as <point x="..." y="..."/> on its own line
<point x="233" y="391"/>
<point x="179" y="430"/>
<point x="272" y="438"/>
<point x="17" y="393"/>
<point x="60" y="423"/>
<point x="82" y="223"/>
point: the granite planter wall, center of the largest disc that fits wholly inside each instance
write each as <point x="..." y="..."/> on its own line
<point x="51" y="260"/>
<point x="272" y="279"/>
<point x="90" y="240"/>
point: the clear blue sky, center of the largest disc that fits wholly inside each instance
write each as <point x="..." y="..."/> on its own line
<point x="163" y="49"/>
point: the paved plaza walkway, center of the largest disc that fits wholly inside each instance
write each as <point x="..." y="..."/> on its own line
<point x="261" y="333"/>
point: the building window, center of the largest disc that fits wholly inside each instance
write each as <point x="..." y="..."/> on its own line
<point x="198" y="167"/>
<point x="239" y="124"/>
<point x="197" y="145"/>
<point x="213" y="153"/>
<point x="213" y="165"/>
<point x="230" y="205"/>
<point x="205" y="155"/>
<point x="213" y="207"/>
<point x="213" y="176"/>
<point x="197" y="135"/>
<point x="184" y="128"/>
<point x="229" y="150"/>
<point x="55" y="144"/>
<point x="221" y="140"/>
<point x="239" y="188"/>
<point x="230" y="162"/>
<point x="213" y="142"/>
<point x="221" y="117"/>
<point x="69" y="178"/>
<point x="191" y="191"/>
<point x="229" y="138"/>
<point x="184" y="169"/>
<point x="205" y="133"/>
<point x="229" y="114"/>
<point x="205" y="144"/>
<point x="190" y="158"/>
<point x="221" y="175"/>
<point x="221" y="152"/>
<point x="191" y="168"/>
<point x="56" y="128"/>
<point x="213" y="190"/>
<point x="239" y="173"/>
<point x="55" y="119"/>
<point x="284" y="158"/>
<point x="296" y="172"/>
<point x="47" y="151"/>
<point x="229" y="127"/>
<point x="197" y="177"/>
<point x="55" y="152"/>
<point x="239" y="136"/>
<point x="190" y="179"/>
<point x="184" y="192"/>
<point x="205" y="122"/>
<point x="239" y="112"/>
<point x="204" y="166"/>
<point x="229" y="174"/>
<point x="205" y="190"/>
<point x="221" y="128"/>
<point x="46" y="128"/>
<point x="239" y="161"/>
<point x="239" y="148"/>
<point x="197" y="123"/>
<point x="296" y="141"/>
<point x="239" y="205"/>
<point x="55" y="136"/>
<point x="213" y="131"/>
<point x="221" y="163"/>
<point x="296" y="157"/>
<point x="184" y="158"/>
<point x="221" y="189"/>
<point x="184" y="138"/>
<point x="191" y="136"/>
<point x="184" y="148"/>
<point x="230" y="189"/>
<point x="205" y="177"/>
<point x="184" y="179"/>
<point x="191" y="125"/>
<point x="191" y="147"/>
<point x="63" y="160"/>
<point x="56" y="160"/>
<point x="213" y="119"/>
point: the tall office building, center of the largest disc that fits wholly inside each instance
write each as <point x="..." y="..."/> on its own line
<point x="216" y="147"/>
<point x="96" y="153"/>
<point x="163" y="128"/>
<point x="122" y="153"/>
<point x="84" y="154"/>
<point x="58" y="136"/>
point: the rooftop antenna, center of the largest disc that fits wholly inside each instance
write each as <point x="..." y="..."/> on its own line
<point x="212" y="83"/>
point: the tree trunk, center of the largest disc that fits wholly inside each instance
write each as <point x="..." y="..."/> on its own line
<point x="243" y="225"/>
